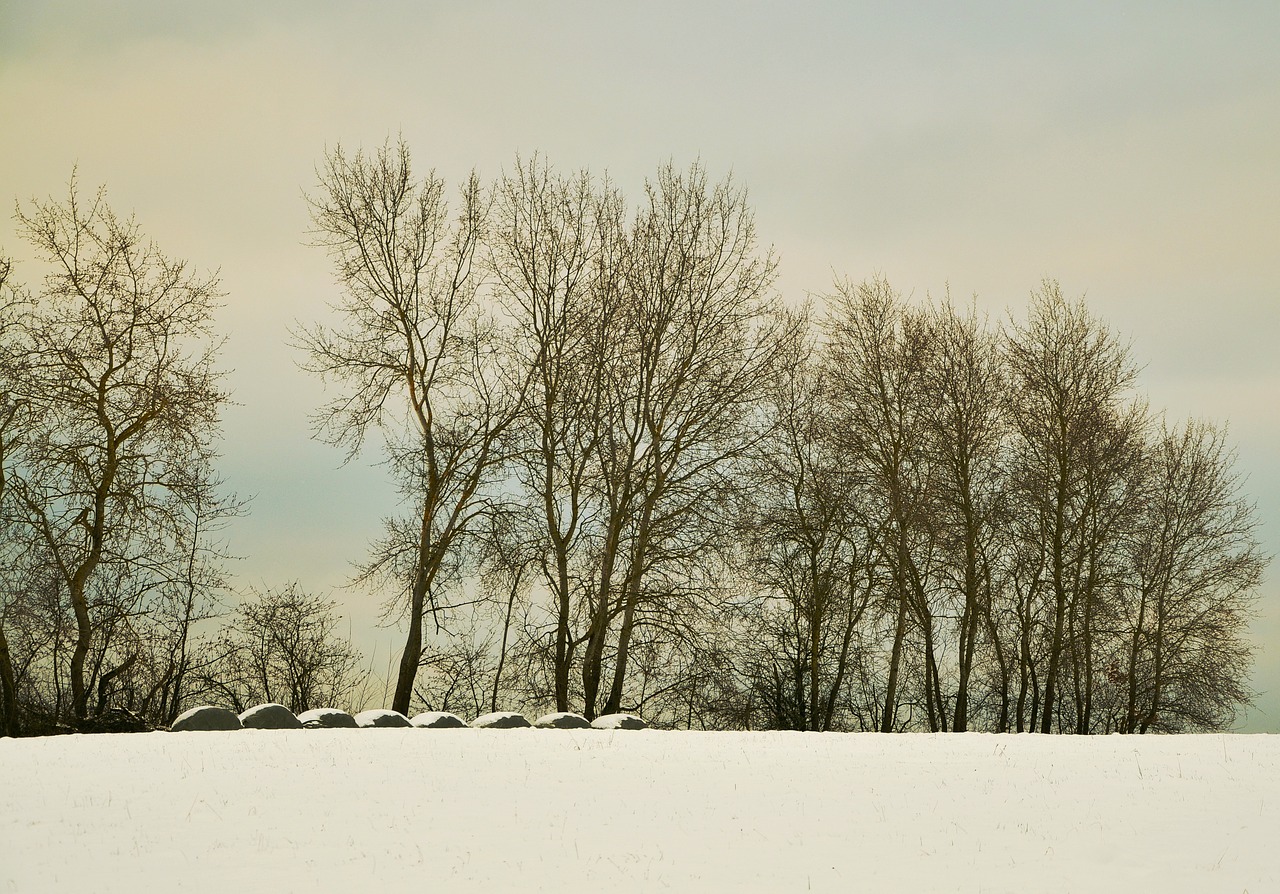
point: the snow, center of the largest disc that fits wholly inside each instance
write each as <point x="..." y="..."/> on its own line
<point x="585" y="810"/>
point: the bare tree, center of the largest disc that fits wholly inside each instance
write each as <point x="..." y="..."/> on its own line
<point x="700" y="339"/>
<point x="557" y="255"/>
<point x="966" y="419"/>
<point x="121" y="399"/>
<point x="11" y="410"/>
<point x="415" y="357"/>
<point x="283" y="646"/>
<point x="808" y="547"/>
<point x="1194" y="567"/>
<point x="1071" y="376"/>
<point x="876" y="356"/>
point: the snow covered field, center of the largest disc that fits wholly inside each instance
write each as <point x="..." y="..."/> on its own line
<point x="586" y="810"/>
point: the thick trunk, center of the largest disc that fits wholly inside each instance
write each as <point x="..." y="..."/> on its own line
<point x="828" y="717"/>
<point x="895" y="659"/>
<point x="968" y="630"/>
<point x="593" y="657"/>
<point x="411" y="659"/>
<point x="1131" y="715"/>
<point x="1060" y="607"/>
<point x="1157" y="670"/>
<point x="8" y="690"/>
<point x="1003" y="665"/>
<point x="84" y="634"/>
<point x="614" y="702"/>
<point x="938" y="721"/>
<point x="812" y="721"/>
<point x="563" y="652"/>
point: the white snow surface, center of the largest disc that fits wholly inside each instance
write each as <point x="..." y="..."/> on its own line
<point x="570" y="810"/>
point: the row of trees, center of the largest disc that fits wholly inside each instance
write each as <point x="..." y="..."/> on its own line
<point x="636" y="481"/>
<point x="630" y="479"/>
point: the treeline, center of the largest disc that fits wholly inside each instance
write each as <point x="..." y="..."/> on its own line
<point x="631" y="478"/>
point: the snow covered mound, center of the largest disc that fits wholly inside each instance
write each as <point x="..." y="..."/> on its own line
<point x="500" y="720"/>
<point x="619" y="721"/>
<point x="206" y="718"/>
<point x="269" y="716"/>
<point x="438" y="720"/>
<point x="381" y="718"/>
<point x="327" y="718"/>
<point x="562" y="720"/>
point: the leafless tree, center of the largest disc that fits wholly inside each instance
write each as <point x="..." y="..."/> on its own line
<point x="966" y="421"/>
<point x="876" y="355"/>
<point x="11" y="410"/>
<point x="1194" y="566"/>
<point x="283" y="646"/>
<point x="701" y="337"/>
<point x="809" y="549"/>
<point x="1072" y="378"/>
<point x="414" y="356"/>
<point x="121" y="400"/>
<point x="557" y="255"/>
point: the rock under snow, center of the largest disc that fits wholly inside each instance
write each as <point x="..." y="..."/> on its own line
<point x="500" y="720"/>
<point x="381" y="718"/>
<point x="562" y="720"/>
<point x="205" y="718"/>
<point x="438" y="720"/>
<point x="619" y="721"/>
<point x="327" y="718"/>
<point x="269" y="716"/>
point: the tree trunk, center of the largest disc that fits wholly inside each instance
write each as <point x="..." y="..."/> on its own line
<point x="506" y="629"/>
<point x="895" y="659"/>
<point x="8" y="690"/>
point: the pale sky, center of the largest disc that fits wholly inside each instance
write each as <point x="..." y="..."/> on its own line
<point x="1131" y="153"/>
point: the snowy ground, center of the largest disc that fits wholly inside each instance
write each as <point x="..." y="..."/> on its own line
<point x="586" y="810"/>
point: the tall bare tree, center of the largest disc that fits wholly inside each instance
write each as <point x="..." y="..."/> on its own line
<point x="557" y="256"/>
<point x="1194" y="567"/>
<point x="11" y="412"/>
<point x="701" y="338"/>
<point x="966" y="419"/>
<point x="876" y="356"/>
<point x="1072" y="378"/>
<point x="809" y="549"/>
<point x="122" y="400"/>
<point x="415" y="356"/>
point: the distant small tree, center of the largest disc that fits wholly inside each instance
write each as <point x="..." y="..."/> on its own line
<point x="283" y="646"/>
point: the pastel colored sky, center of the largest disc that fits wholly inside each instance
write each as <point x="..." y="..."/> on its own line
<point x="1131" y="151"/>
